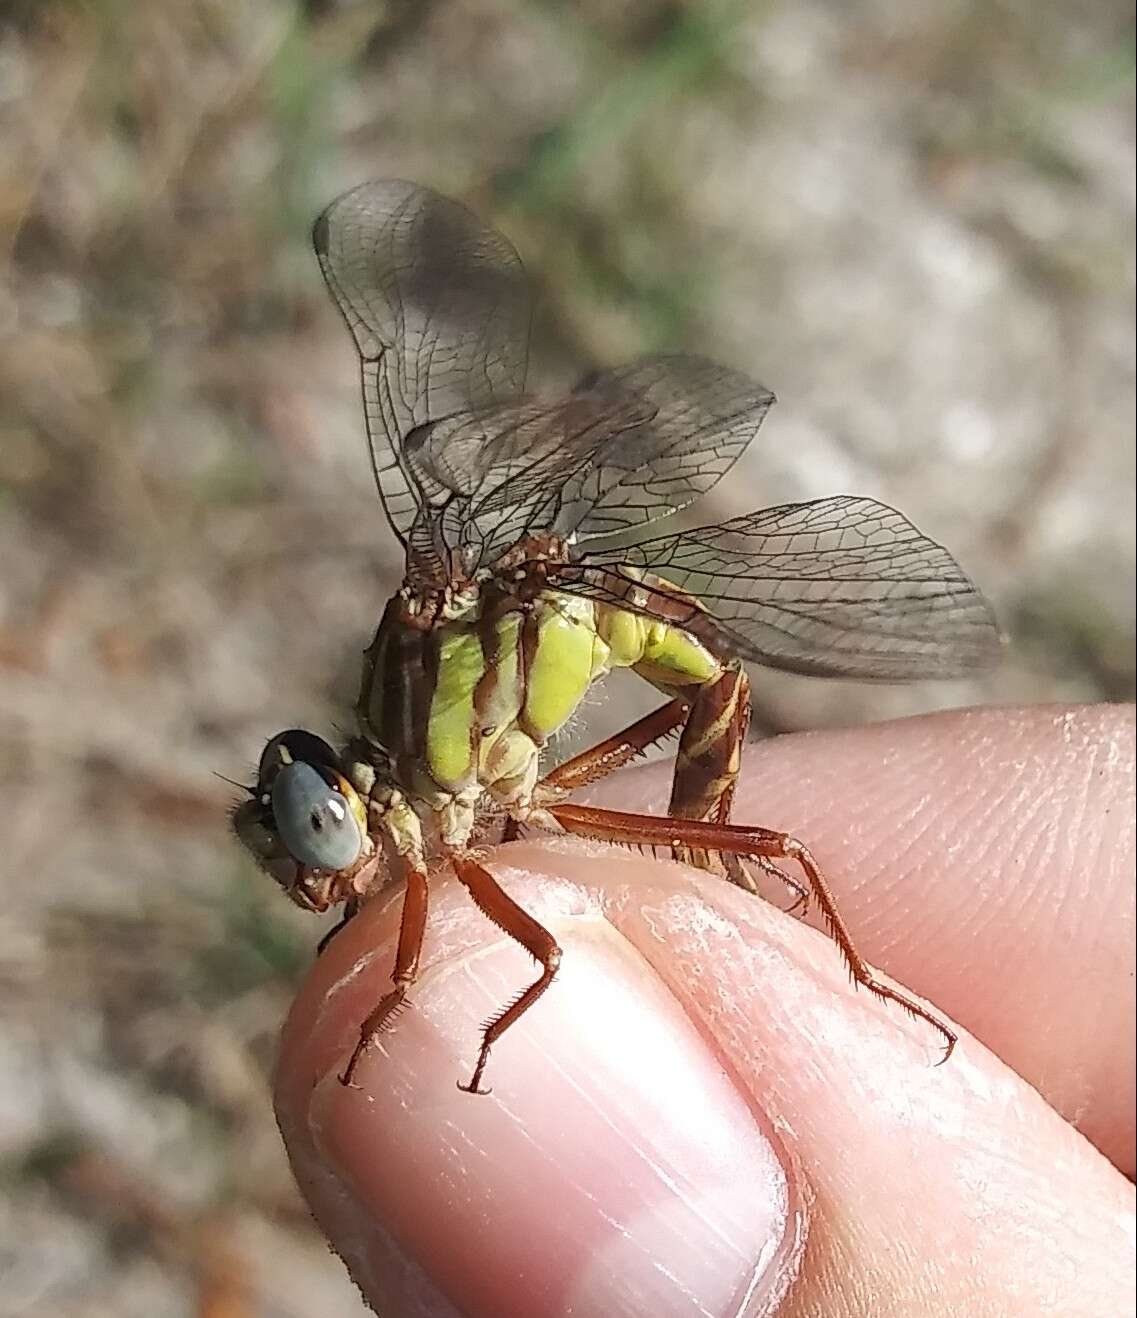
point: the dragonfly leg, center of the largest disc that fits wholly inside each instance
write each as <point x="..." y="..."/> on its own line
<point x="752" y="843"/>
<point x="411" y="930"/>
<point x="800" y="904"/>
<point x="605" y="757"/>
<point x="495" y="903"/>
<point x="714" y="721"/>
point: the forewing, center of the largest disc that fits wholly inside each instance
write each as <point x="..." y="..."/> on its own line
<point x="701" y="418"/>
<point x="628" y="446"/>
<point x="841" y="587"/>
<point x="500" y="475"/>
<point x="438" y="305"/>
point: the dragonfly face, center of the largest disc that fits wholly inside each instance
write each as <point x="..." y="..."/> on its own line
<point x="521" y="588"/>
<point x="306" y="823"/>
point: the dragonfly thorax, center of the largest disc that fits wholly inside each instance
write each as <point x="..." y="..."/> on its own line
<point x="465" y="704"/>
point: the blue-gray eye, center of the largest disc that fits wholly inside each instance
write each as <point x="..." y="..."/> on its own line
<point x="314" y="820"/>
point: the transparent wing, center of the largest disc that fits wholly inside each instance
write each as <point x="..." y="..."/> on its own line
<point x="628" y="446"/>
<point x="842" y="587"/>
<point x="703" y="417"/>
<point x="439" y="307"/>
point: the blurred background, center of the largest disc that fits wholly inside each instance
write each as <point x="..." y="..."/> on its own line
<point x="913" y="221"/>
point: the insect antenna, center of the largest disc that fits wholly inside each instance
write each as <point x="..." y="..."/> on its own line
<point x="244" y="788"/>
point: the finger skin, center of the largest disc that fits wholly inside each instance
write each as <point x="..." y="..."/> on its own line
<point x="985" y="858"/>
<point x="950" y="1189"/>
<point x="615" y="1170"/>
<point x="929" y="1189"/>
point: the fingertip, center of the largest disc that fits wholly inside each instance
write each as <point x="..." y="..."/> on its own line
<point x="614" y="1166"/>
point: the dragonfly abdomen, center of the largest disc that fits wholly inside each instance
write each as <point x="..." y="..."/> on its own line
<point x="660" y="652"/>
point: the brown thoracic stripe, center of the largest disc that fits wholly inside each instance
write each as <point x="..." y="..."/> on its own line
<point x="530" y="636"/>
<point x="490" y="641"/>
<point x="403" y="666"/>
<point x="424" y="684"/>
<point x="403" y="660"/>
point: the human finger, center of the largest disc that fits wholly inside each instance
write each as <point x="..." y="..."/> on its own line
<point x="985" y="858"/>
<point x="698" y="1076"/>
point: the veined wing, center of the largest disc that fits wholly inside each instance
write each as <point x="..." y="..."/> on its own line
<point x="438" y="304"/>
<point x="841" y="587"/>
<point x="628" y="446"/>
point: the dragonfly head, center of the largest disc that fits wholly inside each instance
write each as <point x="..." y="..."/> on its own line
<point x="305" y="823"/>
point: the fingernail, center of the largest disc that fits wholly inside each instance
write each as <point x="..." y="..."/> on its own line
<point x="614" y="1170"/>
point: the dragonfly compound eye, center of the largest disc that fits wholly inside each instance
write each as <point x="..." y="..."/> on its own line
<point x="316" y="820"/>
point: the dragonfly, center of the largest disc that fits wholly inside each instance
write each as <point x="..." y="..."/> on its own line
<point x="527" y="580"/>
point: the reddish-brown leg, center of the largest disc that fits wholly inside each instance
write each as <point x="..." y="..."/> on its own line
<point x="494" y="902"/>
<point x="800" y="904"/>
<point x="714" y="719"/>
<point x="411" y="930"/>
<point x="745" y="842"/>
<point x="605" y="757"/>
